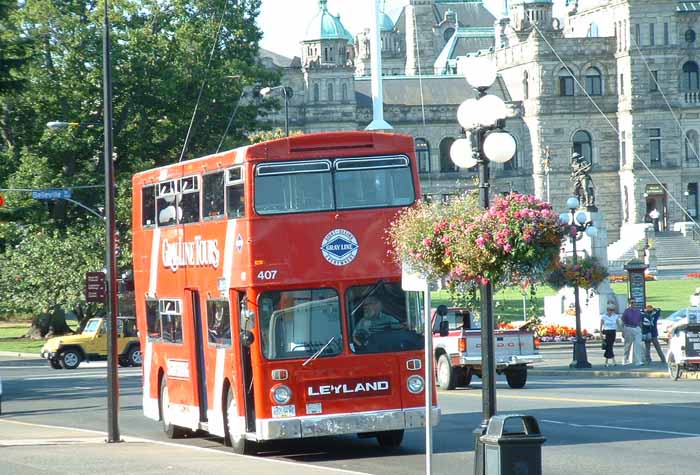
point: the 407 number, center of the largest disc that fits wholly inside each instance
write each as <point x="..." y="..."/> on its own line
<point x="267" y="274"/>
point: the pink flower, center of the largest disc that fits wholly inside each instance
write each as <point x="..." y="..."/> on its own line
<point x="507" y="248"/>
<point x="427" y="242"/>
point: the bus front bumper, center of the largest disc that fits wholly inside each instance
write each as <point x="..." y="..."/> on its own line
<point x="337" y="424"/>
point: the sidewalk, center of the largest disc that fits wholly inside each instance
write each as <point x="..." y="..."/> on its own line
<point x="35" y="448"/>
<point x="558" y="356"/>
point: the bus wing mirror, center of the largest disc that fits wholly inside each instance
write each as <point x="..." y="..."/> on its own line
<point x="444" y="328"/>
<point x="247" y="338"/>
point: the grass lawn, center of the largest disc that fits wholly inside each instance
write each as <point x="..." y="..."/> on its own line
<point x="10" y="340"/>
<point x="669" y="295"/>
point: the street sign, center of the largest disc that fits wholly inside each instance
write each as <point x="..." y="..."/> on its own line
<point x="52" y="194"/>
<point x="95" y="289"/>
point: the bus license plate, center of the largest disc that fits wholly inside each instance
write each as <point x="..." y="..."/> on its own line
<point x="283" y="411"/>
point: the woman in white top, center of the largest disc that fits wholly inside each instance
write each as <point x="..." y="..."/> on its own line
<point x="608" y="328"/>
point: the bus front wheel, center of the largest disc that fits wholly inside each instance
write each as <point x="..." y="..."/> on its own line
<point x="390" y="439"/>
<point x="234" y="434"/>
<point x="171" y="431"/>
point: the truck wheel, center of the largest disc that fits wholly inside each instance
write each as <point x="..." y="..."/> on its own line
<point x="674" y="369"/>
<point x="233" y="437"/>
<point x="55" y="364"/>
<point x="69" y="359"/>
<point x="390" y="439"/>
<point x="516" y="378"/>
<point x="134" y="356"/>
<point x="171" y="431"/>
<point x="446" y="375"/>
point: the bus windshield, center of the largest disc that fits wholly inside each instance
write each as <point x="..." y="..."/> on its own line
<point x="324" y="185"/>
<point x="297" y="324"/>
<point x="383" y="318"/>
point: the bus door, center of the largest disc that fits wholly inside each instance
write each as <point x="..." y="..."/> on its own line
<point x="200" y="381"/>
<point x="243" y="328"/>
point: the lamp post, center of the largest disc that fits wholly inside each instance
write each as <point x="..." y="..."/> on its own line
<point x="483" y="120"/>
<point x="579" y="223"/>
<point x="287" y="92"/>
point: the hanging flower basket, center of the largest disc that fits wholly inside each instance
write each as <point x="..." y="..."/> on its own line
<point x="515" y="242"/>
<point x="587" y="273"/>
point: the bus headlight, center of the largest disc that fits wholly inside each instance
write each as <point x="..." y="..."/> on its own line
<point x="415" y="384"/>
<point x="281" y="394"/>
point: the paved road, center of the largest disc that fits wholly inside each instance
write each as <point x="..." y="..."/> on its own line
<point x="614" y="425"/>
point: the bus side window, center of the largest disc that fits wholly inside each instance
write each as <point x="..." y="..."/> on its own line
<point x="213" y="185"/>
<point x="171" y="320"/>
<point x="235" y="198"/>
<point x="189" y="200"/>
<point x="219" y="322"/>
<point x="148" y="206"/>
<point x="153" y="320"/>
<point x="165" y="202"/>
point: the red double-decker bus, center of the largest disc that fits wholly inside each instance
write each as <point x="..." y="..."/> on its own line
<point x="267" y="305"/>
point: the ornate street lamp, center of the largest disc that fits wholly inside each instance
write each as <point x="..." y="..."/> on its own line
<point x="287" y="92"/>
<point x="483" y="120"/>
<point x="579" y="223"/>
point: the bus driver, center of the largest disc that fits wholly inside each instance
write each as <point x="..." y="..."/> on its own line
<point x="373" y="320"/>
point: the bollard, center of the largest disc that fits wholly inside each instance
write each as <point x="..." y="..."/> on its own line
<point x="508" y="452"/>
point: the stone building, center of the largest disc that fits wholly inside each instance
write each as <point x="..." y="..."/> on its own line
<point x="616" y="81"/>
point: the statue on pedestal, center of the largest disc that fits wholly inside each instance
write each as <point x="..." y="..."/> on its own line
<point x="583" y="183"/>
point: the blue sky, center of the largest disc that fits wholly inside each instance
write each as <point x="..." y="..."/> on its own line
<point x="284" y="22"/>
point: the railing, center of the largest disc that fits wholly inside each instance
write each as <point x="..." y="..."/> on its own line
<point x="692" y="97"/>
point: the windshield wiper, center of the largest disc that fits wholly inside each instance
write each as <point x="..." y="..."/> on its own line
<point x="318" y="353"/>
<point x="366" y="296"/>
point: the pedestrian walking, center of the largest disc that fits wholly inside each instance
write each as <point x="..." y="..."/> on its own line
<point x="650" y="333"/>
<point x="655" y="215"/>
<point x="608" y="329"/>
<point x="632" y="334"/>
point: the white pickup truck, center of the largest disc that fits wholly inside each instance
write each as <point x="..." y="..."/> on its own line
<point x="457" y="350"/>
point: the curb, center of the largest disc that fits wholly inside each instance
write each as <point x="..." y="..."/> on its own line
<point x="596" y="373"/>
<point x="20" y="355"/>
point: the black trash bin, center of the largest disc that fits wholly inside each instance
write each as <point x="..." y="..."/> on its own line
<point x="513" y="446"/>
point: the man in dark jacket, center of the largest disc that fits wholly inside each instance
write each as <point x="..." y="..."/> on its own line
<point x="650" y="333"/>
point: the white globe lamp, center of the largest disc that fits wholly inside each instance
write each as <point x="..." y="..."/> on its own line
<point x="572" y="203"/>
<point x="581" y="218"/>
<point x="491" y="109"/>
<point x="480" y="72"/>
<point x="592" y="231"/>
<point x="461" y="153"/>
<point x="564" y="218"/>
<point x="468" y="114"/>
<point x="499" y="147"/>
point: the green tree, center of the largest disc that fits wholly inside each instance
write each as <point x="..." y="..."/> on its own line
<point x="163" y="55"/>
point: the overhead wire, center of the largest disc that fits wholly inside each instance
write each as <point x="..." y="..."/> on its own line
<point x="612" y="126"/>
<point x="204" y="81"/>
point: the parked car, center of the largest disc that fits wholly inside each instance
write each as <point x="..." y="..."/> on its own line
<point x="664" y="325"/>
<point x="68" y="351"/>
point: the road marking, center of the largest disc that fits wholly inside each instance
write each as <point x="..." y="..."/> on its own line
<point x="561" y="399"/>
<point x="182" y="446"/>
<point x="671" y="391"/>
<point x="634" y="429"/>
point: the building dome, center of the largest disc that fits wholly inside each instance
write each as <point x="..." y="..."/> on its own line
<point x="325" y="26"/>
<point x="385" y="23"/>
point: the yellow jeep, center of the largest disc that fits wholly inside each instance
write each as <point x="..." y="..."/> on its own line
<point x="91" y="345"/>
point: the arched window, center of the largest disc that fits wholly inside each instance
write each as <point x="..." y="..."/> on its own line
<point x="316" y="93"/>
<point x="526" y="85"/>
<point x="512" y="164"/>
<point x="583" y="145"/>
<point x="448" y="34"/>
<point x="689" y="80"/>
<point x="626" y="206"/>
<point x="593" y="31"/>
<point x="446" y="163"/>
<point x="691" y="146"/>
<point x="566" y="83"/>
<point x="330" y="92"/>
<point x="344" y="92"/>
<point x="423" y="155"/>
<point x="594" y="82"/>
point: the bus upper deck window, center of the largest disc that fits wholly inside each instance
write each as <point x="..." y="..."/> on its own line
<point x="370" y="182"/>
<point x="165" y="203"/>
<point x="148" y="206"/>
<point x="188" y="210"/>
<point x="213" y="195"/>
<point x="235" y="193"/>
